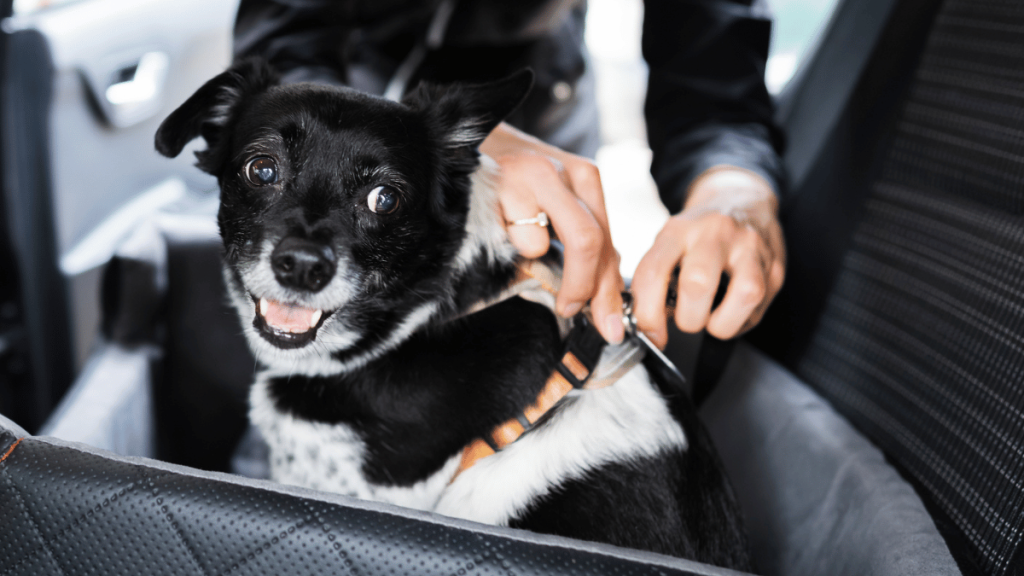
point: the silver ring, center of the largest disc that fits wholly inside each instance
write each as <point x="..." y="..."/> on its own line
<point x="541" y="219"/>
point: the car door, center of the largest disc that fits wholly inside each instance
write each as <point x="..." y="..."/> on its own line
<point x="86" y="83"/>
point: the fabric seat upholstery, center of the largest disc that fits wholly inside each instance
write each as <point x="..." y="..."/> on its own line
<point x="818" y="497"/>
<point x="919" y="336"/>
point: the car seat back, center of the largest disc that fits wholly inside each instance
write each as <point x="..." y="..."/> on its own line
<point x="165" y="288"/>
<point x="905" y="305"/>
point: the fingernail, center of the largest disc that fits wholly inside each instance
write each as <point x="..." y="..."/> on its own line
<point x="613" y="329"/>
<point x="654" y="339"/>
<point x="571" y="310"/>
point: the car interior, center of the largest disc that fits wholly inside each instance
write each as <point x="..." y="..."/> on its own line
<point x="873" y="423"/>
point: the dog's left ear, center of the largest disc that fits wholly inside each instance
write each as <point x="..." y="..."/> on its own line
<point x="465" y="114"/>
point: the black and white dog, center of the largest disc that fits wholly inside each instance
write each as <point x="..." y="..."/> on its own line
<point x="357" y="233"/>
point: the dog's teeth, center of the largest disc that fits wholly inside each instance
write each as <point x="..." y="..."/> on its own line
<point x="315" y="318"/>
<point x="263" y="306"/>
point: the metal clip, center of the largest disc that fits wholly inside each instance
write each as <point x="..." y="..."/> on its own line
<point x="663" y="368"/>
<point x="656" y="361"/>
<point x="628" y="320"/>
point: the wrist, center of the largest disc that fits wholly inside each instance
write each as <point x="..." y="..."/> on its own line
<point x="497" y="140"/>
<point x="738" y="184"/>
<point x="732" y="191"/>
<point x="505" y="139"/>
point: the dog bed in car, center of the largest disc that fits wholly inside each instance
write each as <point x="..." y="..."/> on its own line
<point x="796" y="486"/>
<point x="876" y="428"/>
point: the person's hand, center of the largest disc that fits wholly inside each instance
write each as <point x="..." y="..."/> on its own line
<point x="537" y="177"/>
<point x="729" y="224"/>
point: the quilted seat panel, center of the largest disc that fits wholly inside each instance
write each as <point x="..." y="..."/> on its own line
<point x="69" y="509"/>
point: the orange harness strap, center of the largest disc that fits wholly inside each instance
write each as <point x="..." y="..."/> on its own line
<point x="583" y="348"/>
<point x="555" y="389"/>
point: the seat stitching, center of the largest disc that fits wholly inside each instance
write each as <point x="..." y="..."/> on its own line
<point x="177" y="531"/>
<point x="347" y="562"/>
<point x="265" y="546"/>
<point x="11" y="449"/>
<point x="137" y="484"/>
<point x="45" y="546"/>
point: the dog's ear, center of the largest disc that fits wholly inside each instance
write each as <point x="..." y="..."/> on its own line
<point x="466" y="113"/>
<point x="211" y="108"/>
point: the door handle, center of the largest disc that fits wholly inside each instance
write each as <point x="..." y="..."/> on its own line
<point x="136" y="93"/>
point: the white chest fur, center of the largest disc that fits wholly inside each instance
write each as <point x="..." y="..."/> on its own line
<point x="615" y="424"/>
<point x="330" y="457"/>
<point x="625" y="421"/>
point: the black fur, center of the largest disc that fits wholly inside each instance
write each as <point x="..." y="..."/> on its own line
<point x="415" y="402"/>
<point x="437" y="391"/>
<point x="686" y="495"/>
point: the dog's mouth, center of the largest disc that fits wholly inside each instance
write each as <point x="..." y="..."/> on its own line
<point x="287" y="325"/>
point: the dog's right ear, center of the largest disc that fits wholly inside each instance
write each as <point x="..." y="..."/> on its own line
<point x="464" y="114"/>
<point x="210" y="109"/>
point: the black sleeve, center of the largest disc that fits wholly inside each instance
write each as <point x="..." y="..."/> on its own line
<point x="706" y="99"/>
<point x="302" y="39"/>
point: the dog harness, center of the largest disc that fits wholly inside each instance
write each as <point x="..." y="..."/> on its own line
<point x="537" y="281"/>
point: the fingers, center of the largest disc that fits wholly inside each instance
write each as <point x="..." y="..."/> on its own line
<point x="591" y="270"/>
<point x="517" y="202"/>
<point x="699" y="276"/>
<point x="572" y="197"/>
<point x="650" y="282"/>
<point x="606" y="304"/>
<point x="705" y="248"/>
<point x="540" y="185"/>
<point x="775" y="279"/>
<point x="758" y="269"/>
<point x="584" y="241"/>
<point x="748" y="287"/>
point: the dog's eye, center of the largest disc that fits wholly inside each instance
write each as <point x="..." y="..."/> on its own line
<point x="261" y="171"/>
<point x="382" y="200"/>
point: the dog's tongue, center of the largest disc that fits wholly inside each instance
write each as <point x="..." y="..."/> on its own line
<point x="287" y="317"/>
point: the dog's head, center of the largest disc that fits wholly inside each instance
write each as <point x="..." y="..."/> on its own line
<point x="348" y="220"/>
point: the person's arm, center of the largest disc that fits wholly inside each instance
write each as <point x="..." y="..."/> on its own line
<point x="302" y="39"/>
<point x="707" y="104"/>
<point x="716" y="164"/>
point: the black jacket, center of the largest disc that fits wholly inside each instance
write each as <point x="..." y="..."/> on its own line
<point x="706" y="101"/>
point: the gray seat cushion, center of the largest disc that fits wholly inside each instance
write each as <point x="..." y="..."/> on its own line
<point x="818" y="497"/>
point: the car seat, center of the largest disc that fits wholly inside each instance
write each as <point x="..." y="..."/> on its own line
<point x="871" y="424"/>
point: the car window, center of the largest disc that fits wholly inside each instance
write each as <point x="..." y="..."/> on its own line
<point x="797" y="25"/>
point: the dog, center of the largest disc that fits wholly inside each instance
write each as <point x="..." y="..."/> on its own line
<point x="360" y="237"/>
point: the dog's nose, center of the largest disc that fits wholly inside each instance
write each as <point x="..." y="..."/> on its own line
<point x="302" y="264"/>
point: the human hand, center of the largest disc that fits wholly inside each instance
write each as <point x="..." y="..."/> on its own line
<point x="729" y="224"/>
<point x="537" y="177"/>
